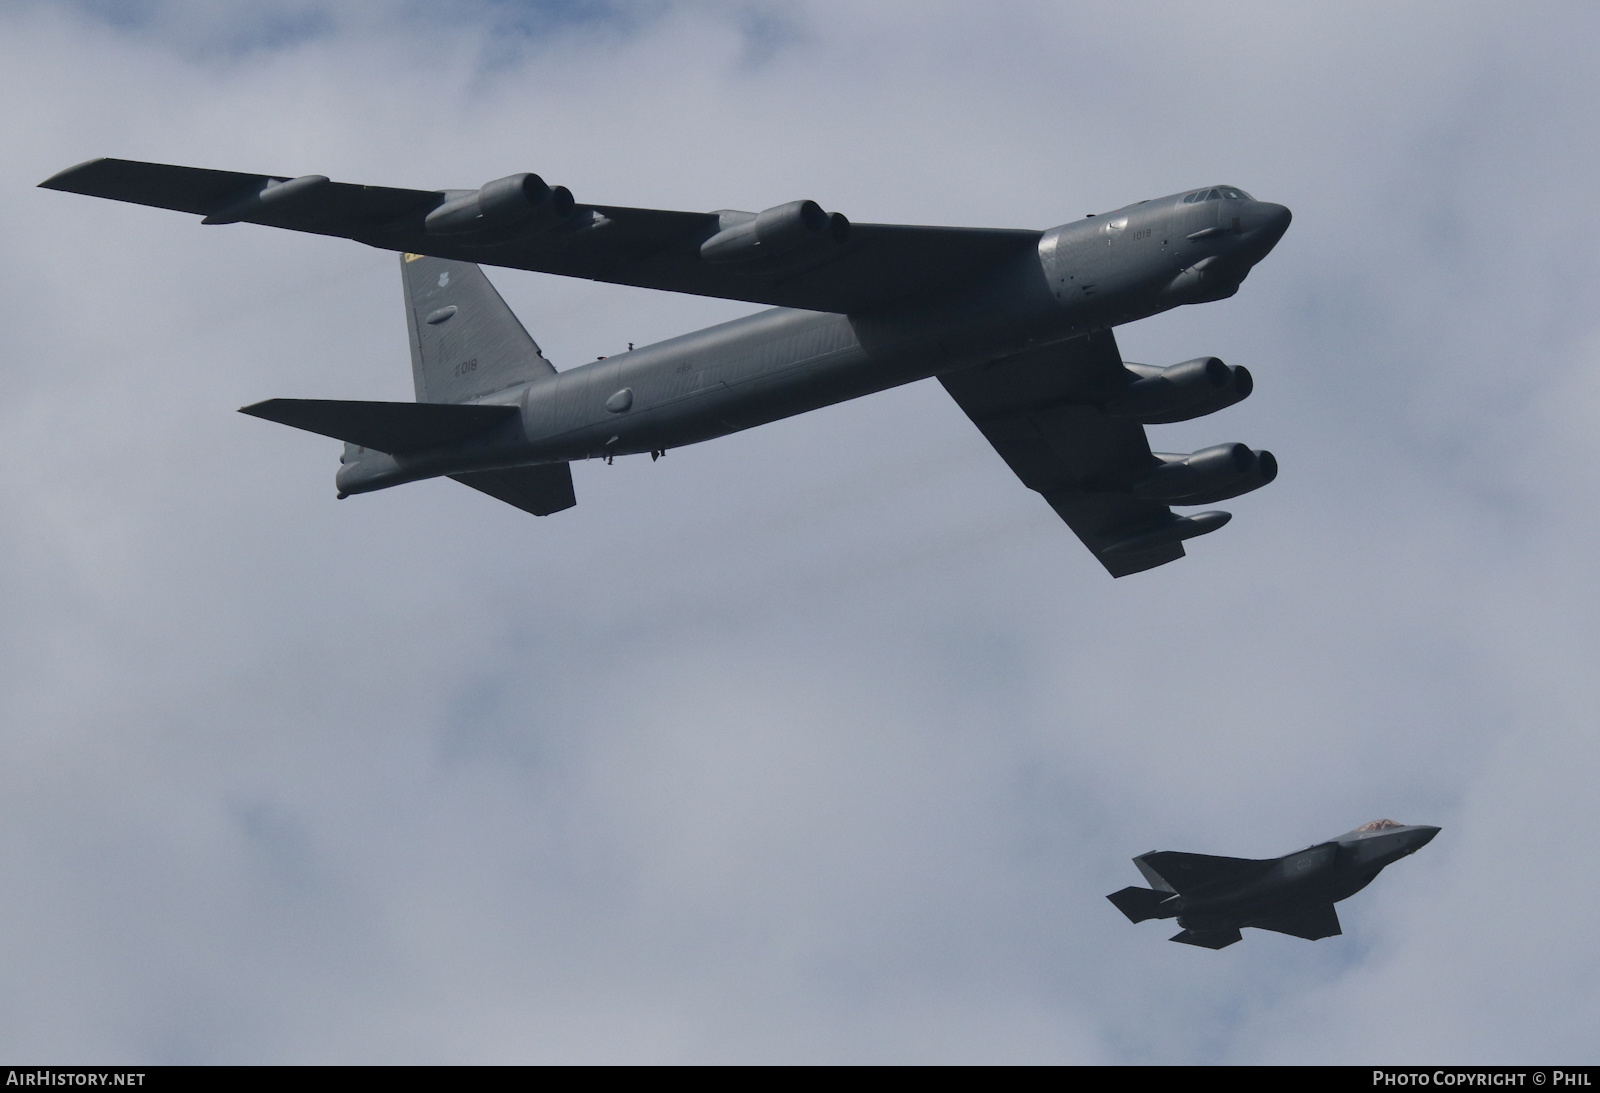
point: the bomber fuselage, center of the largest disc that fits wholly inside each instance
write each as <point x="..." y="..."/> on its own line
<point x="1098" y="272"/>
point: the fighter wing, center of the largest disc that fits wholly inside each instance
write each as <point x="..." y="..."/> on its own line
<point x="1041" y="411"/>
<point x="1316" y="923"/>
<point x="845" y="268"/>
<point x="1188" y="873"/>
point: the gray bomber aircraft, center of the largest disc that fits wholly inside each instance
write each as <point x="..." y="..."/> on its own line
<point x="1016" y="324"/>
<point x="1213" y="898"/>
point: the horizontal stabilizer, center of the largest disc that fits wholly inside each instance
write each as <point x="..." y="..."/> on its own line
<point x="1140" y="903"/>
<point x="1316" y="923"/>
<point x="1188" y="873"/>
<point x="391" y="427"/>
<point x="540" y="490"/>
<point x="1207" y="939"/>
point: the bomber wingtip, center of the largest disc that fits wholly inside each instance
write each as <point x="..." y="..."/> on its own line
<point x="55" y="180"/>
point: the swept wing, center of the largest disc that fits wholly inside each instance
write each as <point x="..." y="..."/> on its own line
<point x="1313" y="924"/>
<point x="1042" y="412"/>
<point x="876" y="266"/>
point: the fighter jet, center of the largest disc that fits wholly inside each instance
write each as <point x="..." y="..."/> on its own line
<point x="1016" y="324"/>
<point x="1214" y="898"/>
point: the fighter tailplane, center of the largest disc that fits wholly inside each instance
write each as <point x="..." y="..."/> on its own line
<point x="1140" y="904"/>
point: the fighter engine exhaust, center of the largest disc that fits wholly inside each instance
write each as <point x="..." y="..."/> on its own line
<point x="522" y="200"/>
<point x="1182" y="392"/>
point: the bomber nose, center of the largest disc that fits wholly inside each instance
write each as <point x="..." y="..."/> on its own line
<point x="1268" y="221"/>
<point x="1260" y="225"/>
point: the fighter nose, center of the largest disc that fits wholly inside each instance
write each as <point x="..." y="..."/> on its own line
<point x="1420" y="836"/>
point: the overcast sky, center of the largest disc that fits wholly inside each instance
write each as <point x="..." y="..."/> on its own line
<point x="823" y="742"/>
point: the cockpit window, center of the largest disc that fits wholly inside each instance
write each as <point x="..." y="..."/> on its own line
<point x="1379" y="825"/>
<point x="1217" y="195"/>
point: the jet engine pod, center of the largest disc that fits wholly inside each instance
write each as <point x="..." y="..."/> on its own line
<point x="1209" y="475"/>
<point x="1174" y="529"/>
<point x="1184" y="391"/>
<point x="780" y="230"/>
<point x="522" y="200"/>
<point x="270" y="198"/>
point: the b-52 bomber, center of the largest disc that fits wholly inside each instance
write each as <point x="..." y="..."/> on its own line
<point x="1016" y="324"/>
<point x="1213" y="898"/>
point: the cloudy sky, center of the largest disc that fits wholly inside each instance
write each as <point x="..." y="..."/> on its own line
<point x="823" y="742"/>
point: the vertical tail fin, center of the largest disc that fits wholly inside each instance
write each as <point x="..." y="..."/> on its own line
<point x="465" y="342"/>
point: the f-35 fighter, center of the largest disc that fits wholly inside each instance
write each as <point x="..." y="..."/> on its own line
<point x="1016" y="324"/>
<point x="1213" y="898"/>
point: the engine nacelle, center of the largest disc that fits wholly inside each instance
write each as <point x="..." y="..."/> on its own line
<point x="1209" y="475"/>
<point x="780" y="230"/>
<point x="1173" y="529"/>
<point x="272" y="197"/>
<point x="1184" y="391"/>
<point x="521" y="200"/>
